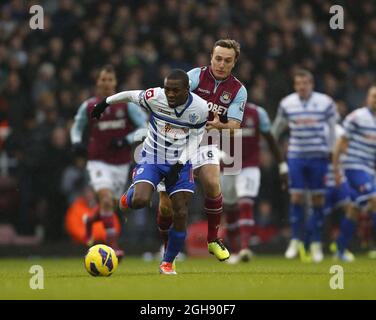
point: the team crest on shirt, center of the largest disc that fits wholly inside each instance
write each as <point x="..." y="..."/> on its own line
<point x="120" y="113"/>
<point x="225" y="97"/>
<point x="193" y="118"/>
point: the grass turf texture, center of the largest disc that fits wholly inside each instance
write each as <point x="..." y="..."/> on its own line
<point x="266" y="277"/>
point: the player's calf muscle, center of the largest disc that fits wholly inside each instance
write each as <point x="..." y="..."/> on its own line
<point x="165" y="206"/>
<point x="140" y="200"/>
<point x="209" y="177"/>
<point x="180" y="218"/>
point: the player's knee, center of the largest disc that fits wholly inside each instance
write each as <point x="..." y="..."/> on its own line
<point x="318" y="200"/>
<point x="372" y="204"/>
<point x="212" y="187"/>
<point x="165" y="211"/>
<point x="352" y="212"/>
<point x="165" y="207"/>
<point x="297" y="198"/>
<point x="140" y="201"/>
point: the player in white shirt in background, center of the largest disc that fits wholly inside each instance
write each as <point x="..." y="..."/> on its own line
<point x="358" y="145"/>
<point x="310" y="117"/>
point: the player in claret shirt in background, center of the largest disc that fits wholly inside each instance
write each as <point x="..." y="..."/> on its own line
<point x="108" y="152"/>
<point x="226" y="97"/>
<point x="239" y="191"/>
<point x="176" y="127"/>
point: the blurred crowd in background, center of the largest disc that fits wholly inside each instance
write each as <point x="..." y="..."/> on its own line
<point x="46" y="74"/>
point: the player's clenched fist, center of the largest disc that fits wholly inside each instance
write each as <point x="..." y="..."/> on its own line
<point x="99" y="109"/>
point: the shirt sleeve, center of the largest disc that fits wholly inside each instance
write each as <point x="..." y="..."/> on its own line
<point x="137" y="116"/>
<point x="349" y="124"/>
<point x="331" y="111"/>
<point x="265" y="124"/>
<point x="236" y="108"/>
<point x="194" y="78"/>
<point x="125" y="96"/>
<point x="80" y="122"/>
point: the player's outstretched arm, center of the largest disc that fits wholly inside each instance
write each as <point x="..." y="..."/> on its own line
<point x="124" y="96"/>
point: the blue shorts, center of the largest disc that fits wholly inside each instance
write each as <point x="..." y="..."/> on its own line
<point x="337" y="196"/>
<point x="307" y="173"/>
<point x="155" y="173"/>
<point x="363" y="185"/>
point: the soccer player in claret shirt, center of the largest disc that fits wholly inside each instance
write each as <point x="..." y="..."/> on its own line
<point x="108" y="152"/>
<point x="176" y="127"/>
<point x="311" y="119"/>
<point x="239" y="191"/>
<point x="226" y="97"/>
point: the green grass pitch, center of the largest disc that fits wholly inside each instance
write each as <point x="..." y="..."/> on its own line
<point x="266" y="277"/>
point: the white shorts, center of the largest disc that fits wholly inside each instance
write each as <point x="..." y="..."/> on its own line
<point x="205" y="155"/>
<point x="108" y="176"/>
<point x="245" y="184"/>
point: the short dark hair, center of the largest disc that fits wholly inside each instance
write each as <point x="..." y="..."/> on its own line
<point x="179" y="74"/>
<point x="109" y="68"/>
<point x="304" y="73"/>
<point x="230" y="44"/>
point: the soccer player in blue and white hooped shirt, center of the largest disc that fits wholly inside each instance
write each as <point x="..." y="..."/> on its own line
<point x="359" y="148"/>
<point x="176" y="127"/>
<point x="311" y="117"/>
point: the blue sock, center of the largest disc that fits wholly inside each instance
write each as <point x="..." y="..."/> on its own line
<point x="176" y="240"/>
<point x="296" y="220"/>
<point x="130" y="196"/>
<point x="314" y="226"/>
<point x="346" y="232"/>
<point x="318" y="214"/>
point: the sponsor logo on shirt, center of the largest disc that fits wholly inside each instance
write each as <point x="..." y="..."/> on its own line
<point x="174" y="132"/>
<point x="111" y="125"/>
<point x="216" y="108"/>
<point x="203" y="90"/>
<point x="306" y="121"/>
<point x="164" y="111"/>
